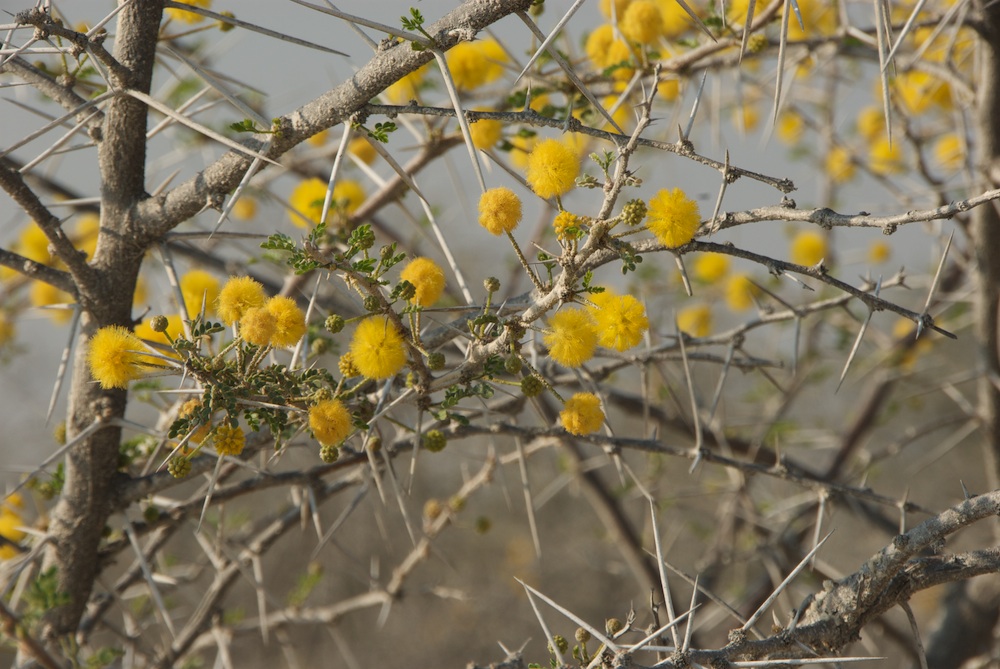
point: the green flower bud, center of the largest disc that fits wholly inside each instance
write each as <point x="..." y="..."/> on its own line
<point x="179" y="467"/>
<point x="334" y="323"/>
<point x="531" y="386"/>
<point x="435" y="441"/>
<point x="634" y="212"/>
<point x="492" y="284"/>
<point x="329" y="453"/>
<point x="512" y="364"/>
<point x="372" y="304"/>
<point x="159" y="323"/>
<point x="435" y="361"/>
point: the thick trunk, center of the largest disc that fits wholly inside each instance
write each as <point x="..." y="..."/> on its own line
<point x="79" y="518"/>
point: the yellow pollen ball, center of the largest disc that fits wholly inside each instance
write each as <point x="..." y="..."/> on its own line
<point x="240" y="294"/>
<point x="377" y="348"/>
<point x="582" y="414"/>
<point x="572" y="337"/>
<point x="427" y="278"/>
<point x="499" y="210"/>
<point x="673" y="217"/>
<point x="552" y="168"/>
<point x="330" y="421"/>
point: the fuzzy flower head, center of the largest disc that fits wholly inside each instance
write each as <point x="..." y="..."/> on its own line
<point x="407" y="88"/>
<point x="552" y="168"/>
<point x="641" y="22"/>
<point x="582" y="414"/>
<point x="839" y="165"/>
<point x="886" y="157"/>
<point x="620" y="320"/>
<point x="183" y="15"/>
<point x="486" y="133"/>
<point x="563" y="222"/>
<point x="377" y="348"/>
<point x="740" y="291"/>
<point x="499" y="210"/>
<point x="673" y="217"/>
<point x="228" y="440"/>
<point x="710" y="267"/>
<point x="330" y="421"/>
<point x="427" y="278"/>
<point x="289" y="321"/>
<point x="115" y="357"/>
<point x="307" y="202"/>
<point x="199" y="287"/>
<point x="43" y="294"/>
<point x="240" y="294"/>
<point x="695" y="321"/>
<point x="808" y="248"/>
<point x="258" y="326"/>
<point x="572" y="337"/>
<point x="474" y="64"/>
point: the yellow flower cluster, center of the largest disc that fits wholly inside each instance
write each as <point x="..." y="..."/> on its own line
<point x="228" y="440"/>
<point x="474" y="64"/>
<point x="611" y="320"/>
<point x="330" y="421"/>
<point x="427" y="277"/>
<point x="185" y="16"/>
<point x="277" y="321"/>
<point x="199" y="287"/>
<point x="11" y="523"/>
<point x="695" y="321"/>
<point x="673" y="217"/>
<point x="307" y="200"/>
<point x="499" y="210"/>
<point x="377" y="348"/>
<point x="808" y="248"/>
<point x="582" y="414"/>
<point x="552" y="168"/>
<point x="115" y="356"/>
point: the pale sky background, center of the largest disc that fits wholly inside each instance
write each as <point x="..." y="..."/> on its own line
<point x="291" y="75"/>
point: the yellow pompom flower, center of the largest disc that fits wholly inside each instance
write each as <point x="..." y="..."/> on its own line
<point x="348" y="195"/>
<point x="598" y="45"/>
<point x="582" y="414"/>
<point x="377" y="348"/>
<point x="620" y="7"/>
<point x="469" y="66"/>
<point x="879" y="252"/>
<point x="572" y="337"/>
<point x="330" y="421"/>
<point x="496" y="57"/>
<point x="34" y="245"/>
<point x="307" y="202"/>
<point x="289" y="321"/>
<point x="790" y="127"/>
<point x="228" y="440"/>
<point x="886" y="158"/>
<point x="362" y="149"/>
<point x="563" y="222"/>
<point x="675" y="20"/>
<point x="808" y="248"/>
<point x="499" y="210"/>
<point x="10" y="529"/>
<point x="669" y="89"/>
<point x="245" y="208"/>
<point x="43" y="294"/>
<point x="695" y="321"/>
<point x="552" y="168"/>
<point x="740" y="291"/>
<point x="949" y="152"/>
<point x="185" y="16"/>
<point x="817" y="17"/>
<point x="620" y="320"/>
<point x="673" y="217"/>
<point x="710" y="267"/>
<point x="199" y="287"/>
<point x="257" y="326"/>
<point x="839" y="165"/>
<point x="85" y="235"/>
<point x="427" y="278"/>
<point x="114" y="355"/>
<point x="641" y="22"/>
<point x="871" y="122"/>
<point x="240" y="294"/>
<point x="406" y="89"/>
<point x="486" y="133"/>
<point x="920" y="90"/>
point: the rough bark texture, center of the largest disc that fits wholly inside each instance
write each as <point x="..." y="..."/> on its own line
<point x="79" y="518"/>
